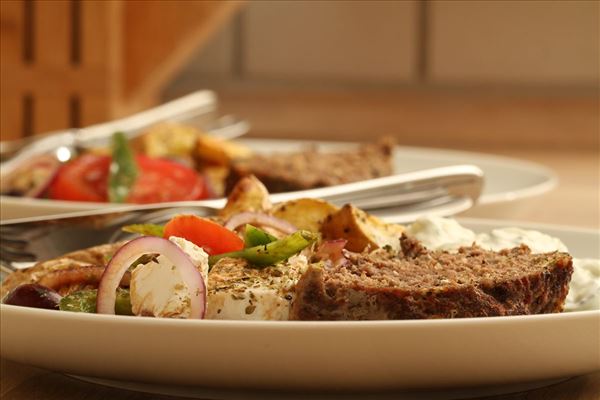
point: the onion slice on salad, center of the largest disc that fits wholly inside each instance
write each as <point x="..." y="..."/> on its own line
<point x="332" y="250"/>
<point x="260" y="219"/>
<point x="130" y="252"/>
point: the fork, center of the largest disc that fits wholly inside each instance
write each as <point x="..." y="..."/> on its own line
<point x="398" y="198"/>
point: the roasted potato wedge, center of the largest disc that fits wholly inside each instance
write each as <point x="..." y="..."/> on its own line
<point x="214" y="151"/>
<point x="360" y="229"/>
<point x="170" y="140"/>
<point x="249" y="194"/>
<point x="306" y="214"/>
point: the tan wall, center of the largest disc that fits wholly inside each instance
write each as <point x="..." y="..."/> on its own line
<point x="530" y="43"/>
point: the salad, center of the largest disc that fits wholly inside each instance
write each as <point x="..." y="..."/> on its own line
<point x="173" y="162"/>
<point x="167" y="163"/>
<point x="252" y="251"/>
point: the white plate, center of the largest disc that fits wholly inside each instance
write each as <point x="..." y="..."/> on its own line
<point x="507" y="179"/>
<point x="359" y="355"/>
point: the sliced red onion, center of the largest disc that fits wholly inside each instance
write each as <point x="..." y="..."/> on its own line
<point x="332" y="250"/>
<point x="136" y="248"/>
<point x="260" y="219"/>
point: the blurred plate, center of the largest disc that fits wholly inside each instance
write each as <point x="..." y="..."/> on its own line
<point x="288" y="355"/>
<point x="506" y="179"/>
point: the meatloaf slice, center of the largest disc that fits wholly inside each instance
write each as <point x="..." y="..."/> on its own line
<point x="416" y="283"/>
<point x="310" y="169"/>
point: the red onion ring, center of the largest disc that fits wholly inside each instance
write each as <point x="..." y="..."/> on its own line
<point x="131" y="251"/>
<point x="261" y="219"/>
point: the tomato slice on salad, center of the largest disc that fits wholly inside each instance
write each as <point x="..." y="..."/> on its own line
<point x="163" y="180"/>
<point x="82" y="179"/>
<point x="212" y="237"/>
<point x="86" y="179"/>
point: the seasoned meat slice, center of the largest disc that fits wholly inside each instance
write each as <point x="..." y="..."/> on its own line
<point x="310" y="169"/>
<point x="416" y="283"/>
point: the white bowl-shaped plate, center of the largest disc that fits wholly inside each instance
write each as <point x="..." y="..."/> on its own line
<point x="359" y="355"/>
<point x="506" y="179"/>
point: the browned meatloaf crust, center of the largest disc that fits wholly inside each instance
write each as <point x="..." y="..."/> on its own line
<point x="309" y="169"/>
<point x="416" y="283"/>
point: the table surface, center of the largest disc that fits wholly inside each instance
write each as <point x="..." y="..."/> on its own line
<point x="575" y="202"/>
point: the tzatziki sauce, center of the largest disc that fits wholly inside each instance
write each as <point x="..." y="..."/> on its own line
<point x="437" y="233"/>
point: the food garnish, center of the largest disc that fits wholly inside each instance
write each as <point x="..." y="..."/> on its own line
<point x="271" y="253"/>
<point x="145" y="229"/>
<point x="212" y="237"/>
<point x="256" y="237"/>
<point x="33" y="295"/>
<point x="123" y="170"/>
<point x="85" y="301"/>
<point x="132" y="251"/>
<point x="331" y="250"/>
<point x="261" y="219"/>
<point x="126" y="178"/>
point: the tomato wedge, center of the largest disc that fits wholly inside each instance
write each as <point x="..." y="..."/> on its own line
<point x="86" y="179"/>
<point x="212" y="237"/>
<point x="163" y="180"/>
<point x="82" y="179"/>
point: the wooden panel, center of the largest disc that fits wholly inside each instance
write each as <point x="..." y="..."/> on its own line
<point x="11" y="120"/>
<point x="52" y="35"/>
<point x="438" y="118"/>
<point x="550" y="42"/>
<point x="372" y="41"/>
<point x="74" y="71"/>
<point x="11" y="32"/>
<point x="11" y="54"/>
<point x="52" y="43"/>
<point x="215" y="62"/>
<point x="101" y="50"/>
<point x="50" y="112"/>
<point x="160" y="37"/>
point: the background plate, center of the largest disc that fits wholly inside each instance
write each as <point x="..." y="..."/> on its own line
<point x="359" y="355"/>
<point x="506" y="179"/>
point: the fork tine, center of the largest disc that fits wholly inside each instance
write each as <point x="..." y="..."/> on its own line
<point x="17" y="243"/>
<point x="10" y="256"/>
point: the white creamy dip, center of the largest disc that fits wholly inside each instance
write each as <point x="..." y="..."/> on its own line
<point x="438" y="233"/>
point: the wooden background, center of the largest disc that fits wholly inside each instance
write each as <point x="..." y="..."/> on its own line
<point x="462" y="74"/>
<point x="72" y="63"/>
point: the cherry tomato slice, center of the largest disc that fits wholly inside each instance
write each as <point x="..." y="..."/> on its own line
<point x="163" y="180"/>
<point x="86" y="179"/>
<point x="212" y="237"/>
<point x="83" y="179"/>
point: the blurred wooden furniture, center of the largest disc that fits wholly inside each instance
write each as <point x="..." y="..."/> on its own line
<point x="69" y="63"/>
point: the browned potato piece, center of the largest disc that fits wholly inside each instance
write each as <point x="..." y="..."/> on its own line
<point x="306" y="214"/>
<point x="215" y="151"/>
<point x="360" y="229"/>
<point x="249" y="194"/>
<point x="170" y="140"/>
